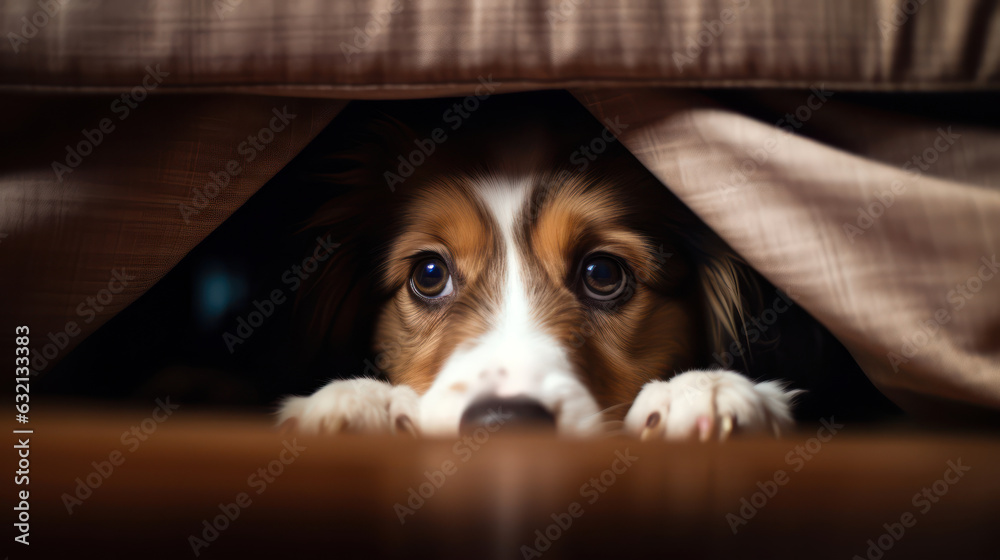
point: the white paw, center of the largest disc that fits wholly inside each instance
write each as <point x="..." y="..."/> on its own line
<point x="709" y="405"/>
<point x="353" y="405"/>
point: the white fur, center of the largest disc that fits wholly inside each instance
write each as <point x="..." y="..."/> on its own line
<point x="515" y="357"/>
<point x="709" y="405"/>
<point x="362" y="405"/>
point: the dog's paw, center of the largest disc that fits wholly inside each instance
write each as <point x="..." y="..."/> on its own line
<point x="353" y="405"/>
<point x="709" y="405"/>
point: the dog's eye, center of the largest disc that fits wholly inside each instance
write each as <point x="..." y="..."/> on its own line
<point x="431" y="279"/>
<point x="603" y="277"/>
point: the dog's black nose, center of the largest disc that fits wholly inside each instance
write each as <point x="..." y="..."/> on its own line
<point x="516" y="412"/>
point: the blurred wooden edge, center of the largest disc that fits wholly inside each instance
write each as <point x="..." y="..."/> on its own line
<point x="353" y="496"/>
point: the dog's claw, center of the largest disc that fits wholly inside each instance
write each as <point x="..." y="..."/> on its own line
<point x="404" y="425"/>
<point x="650" y="430"/>
<point x="705" y="428"/>
<point x="725" y="427"/>
<point x="335" y="426"/>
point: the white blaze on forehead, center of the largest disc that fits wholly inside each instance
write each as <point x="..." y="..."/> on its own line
<point x="505" y="202"/>
<point x="516" y="356"/>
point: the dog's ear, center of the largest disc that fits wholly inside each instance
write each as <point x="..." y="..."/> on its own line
<point x="340" y="302"/>
<point x="334" y="299"/>
<point x="728" y="286"/>
<point x="725" y="283"/>
<point x="730" y="290"/>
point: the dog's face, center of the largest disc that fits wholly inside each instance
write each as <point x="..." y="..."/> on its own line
<point x="533" y="287"/>
<point x="504" y="272"/>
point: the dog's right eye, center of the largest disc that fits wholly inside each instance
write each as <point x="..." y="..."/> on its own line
<point x="431" y="279"/>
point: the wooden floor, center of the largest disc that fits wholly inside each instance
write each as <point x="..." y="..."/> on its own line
<point x="225" y="487"/>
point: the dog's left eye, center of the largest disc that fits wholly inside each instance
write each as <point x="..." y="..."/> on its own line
<point x="431" y="279"/>
<point x="604" y="278"/>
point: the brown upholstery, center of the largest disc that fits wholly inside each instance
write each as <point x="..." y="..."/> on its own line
<point x="305" y="47"/>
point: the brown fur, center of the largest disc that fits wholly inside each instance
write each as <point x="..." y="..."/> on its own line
<point x="682" y="306"/>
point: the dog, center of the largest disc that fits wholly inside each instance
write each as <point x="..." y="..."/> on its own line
<point x="525" y="265"/>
